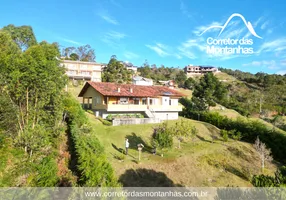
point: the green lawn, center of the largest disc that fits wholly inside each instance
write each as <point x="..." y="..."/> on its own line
<point x="199" y="162"/>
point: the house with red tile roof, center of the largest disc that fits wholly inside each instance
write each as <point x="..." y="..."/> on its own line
<point x="105" y="99"/>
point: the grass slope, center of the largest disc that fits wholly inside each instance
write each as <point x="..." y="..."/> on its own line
<point x="197" y="163"/>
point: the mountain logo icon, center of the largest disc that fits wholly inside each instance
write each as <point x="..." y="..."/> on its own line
<point x="247" y="24"/>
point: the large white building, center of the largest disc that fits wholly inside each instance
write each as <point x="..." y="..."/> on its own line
<point x="197" y="70"/>
<point x="79" y="70"/>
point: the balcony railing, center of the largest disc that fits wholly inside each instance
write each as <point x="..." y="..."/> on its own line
<point x="143" y="108"/>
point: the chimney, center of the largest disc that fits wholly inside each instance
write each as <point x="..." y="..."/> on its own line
<point x="131" y="90"/>
<point x="118" y="89"/>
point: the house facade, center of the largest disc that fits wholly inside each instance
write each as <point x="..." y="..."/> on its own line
<point x="114" y="99"/>
<point x="139" y="80"/>
<point x="198" y="70"/>
<point x="170" y="83"/>
<point x="79" y="70"/>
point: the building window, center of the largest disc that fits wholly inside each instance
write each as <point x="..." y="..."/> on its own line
<point x="151" y="102"/>
<point x="123" y="100"/>
<point x="83" y="67"/>
<point x="136" y="101"/>
<point x="170" y="102"/>
<point x="144" y="101"/>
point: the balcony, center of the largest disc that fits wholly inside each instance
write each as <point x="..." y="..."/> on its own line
<point x="142" y="108"/>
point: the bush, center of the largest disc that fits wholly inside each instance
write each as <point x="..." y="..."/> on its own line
<point x="104" y="122"/>
<point x="46" y="173"/>
<point x="92" y="163"/>
<point x="90" y="112"/>
<point x="224" y="135"/>
<point x="162" y="137"/>
<point x="264" y="181"/>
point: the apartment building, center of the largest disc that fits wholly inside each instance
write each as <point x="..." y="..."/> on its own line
<point x="197" y="70"/>
<point x="79" y="70"/>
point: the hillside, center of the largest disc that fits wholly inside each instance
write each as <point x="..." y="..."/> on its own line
<point x="198" y="163"/>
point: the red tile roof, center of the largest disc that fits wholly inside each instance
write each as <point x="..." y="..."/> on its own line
<point x="111" y="89"/>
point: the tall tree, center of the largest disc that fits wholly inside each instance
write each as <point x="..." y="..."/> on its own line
<point x="33" y="82"/>
<point x="86" y="53"/>
<point x="22" y="35"/>
<point x="209" y="90"/>
<point x="115" y="71"/>
<point x="82" y="53"/>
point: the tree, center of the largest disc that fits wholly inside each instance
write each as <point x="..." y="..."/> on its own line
<point x="209" y="90"/>
<point x="115" y="71"/>
<point x="183" y="129"/>
<point x="86" y="53"/>
<point x="264" y="153"/>
<point x="33" y="81"/>
<point x="82" y="53"/>
<point x="23" y="36"/>
<point x="180" y="78"/>
<point x="74" y="56"/>
<point x="189" y="83"/>
<point x="162" y="137"/>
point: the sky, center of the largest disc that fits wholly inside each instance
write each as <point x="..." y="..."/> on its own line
<point x="174" y="33"/>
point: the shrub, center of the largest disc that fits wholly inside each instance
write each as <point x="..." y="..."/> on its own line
<point x="264" y="181"/>
<point x="46" y="173"/>
<point x="90" y="112"/>
<point x="224" y="135"/>
<point x="162" y="137"/>
<point x="104" y="122"/>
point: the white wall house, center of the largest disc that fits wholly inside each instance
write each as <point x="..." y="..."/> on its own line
<point x="139" y="80"/>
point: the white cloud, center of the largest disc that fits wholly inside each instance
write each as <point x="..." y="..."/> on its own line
<point x="159" y="50"/>
<point x="264" y="25"/>
<point x="115" y="35"/>
<point x="71" y="41"/>
<point x="163" y="50"/>
<point x="113" y="38"/>
<point x="260" y="63"/>
<point x="198" y="30"/>
<point x="270" y="64"/>
<point x="130" y="55"/>
<point x="277" y="45"/>
<point x="187" y="53"/>
<point x="105" y="16"/>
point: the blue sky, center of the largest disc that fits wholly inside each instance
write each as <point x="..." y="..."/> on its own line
<point x="163" y="32"/>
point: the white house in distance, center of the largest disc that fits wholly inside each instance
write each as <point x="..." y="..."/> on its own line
<point x="79" y="70"/>
<point x="157" y="102"/>
<point x="191" y="70"/>
<point x="139" y="80"/>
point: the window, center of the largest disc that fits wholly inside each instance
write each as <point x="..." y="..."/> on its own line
<point x="136" y="101"/>
<point x="144" y="101"/>
<point x="98" y="100"/>
<point x="83" y="67"/>
<point x="151" y="101"/>
<point x="123" y="100"/>
<point x="71" y="66"/>
<point x="170" y="102"/>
